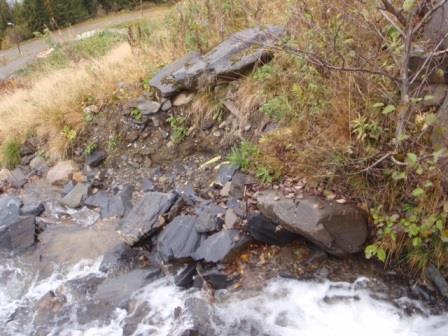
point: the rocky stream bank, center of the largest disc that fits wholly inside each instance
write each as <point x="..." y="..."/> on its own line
<point x="162" y="238"/>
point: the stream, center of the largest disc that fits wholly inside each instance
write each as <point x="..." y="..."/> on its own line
<point x="283" y="307"/>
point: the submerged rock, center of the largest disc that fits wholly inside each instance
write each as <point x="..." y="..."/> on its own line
<point x="17" y="233"/>
<point x="121" y="258"/>
<point x="339" y="229"/>
<point x="221" y="247"/>
<point x="185" y="277"/>
<point x="238" y="54"/>
<point x="179" y="239"/>
<point x="266" y="231"/>
<point x="143" y="220"/>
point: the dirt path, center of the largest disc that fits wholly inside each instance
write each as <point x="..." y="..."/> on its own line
<point x="11" y="60"/>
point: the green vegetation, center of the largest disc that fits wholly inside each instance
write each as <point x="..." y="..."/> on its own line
<point x="243" y="156"/>
<point x="136" y="114"/>
<point x="11" y="153"/>
<point x="90" y="148"/>
<point x="179" y="128"/>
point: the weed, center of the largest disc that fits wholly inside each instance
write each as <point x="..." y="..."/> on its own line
<point x="114" y="142"/>
<point x="136" y="114"/>
<point x="242" y="156"/>
<point x="90" y="148"/>
<point x="264" y="174"/>
<point x="277" y="108"/>
<point x="179" y="127"/>
<point x="69" y="133"/>
<point x="11" y="153"/>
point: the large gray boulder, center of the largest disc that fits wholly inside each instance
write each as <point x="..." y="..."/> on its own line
<point x="228" y="61"/>
<point x="221" y="247"/>
<point x="143" y="220"/>
<point x="337" y="228"/>
<point x="179" y="239"/>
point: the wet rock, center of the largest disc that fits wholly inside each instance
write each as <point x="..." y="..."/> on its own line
<point x="17" y="233"/>
<point x="35" y="209"/>
<point x="209" y="219"/>
<point x="143" y="220"/>
<point x="121" y="258"/>
<point x="185" y="277"/>
<point x="438" y="280"/>
<point x="17" y="178"/>
<point x="96" y="158"/>
<point x="264" y="230"/>
<point x="337" y="228"/>
<point x="163" y="80"/>
<point x="179" y="239"/>
<point x="148" y="107"/>
<point x="48" y="309"/>
<point x="222" y="246"/>
<point x="202" y="316"/>
<point x="231" y="219"/>
<point x="61" y="173"/>
<point x="75" y="198"/>
<point x="183" y="98"/>
<point x="216" y="279"/>
<point x="225" y="174"/>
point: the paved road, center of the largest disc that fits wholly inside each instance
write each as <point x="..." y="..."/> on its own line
<point x="11" y="60"/>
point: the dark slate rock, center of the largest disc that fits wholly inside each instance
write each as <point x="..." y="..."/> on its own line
<point x="225" y="174"/>
<point x="339" y="229"/>
<point x="210" y="219"/>
<point x="96" y="158"/>
<point x="185" y="277"/>
<point x="17" y="232"/>
<point x="221" y="246"/>
<point x="121" y="258"/>
<point x="148" y="185"/>
<point x="179" y="239"/>
<point x="162" y="81"/>
<point x="99" y="200"/>
<point x="35" y="209"/>
<point x="203" y="317"/>
<point x="266" y="231"/>
<point x="188" y="195"/>
<point x="238" y="184"/>
<point x="215" y="278"/>
<point x="238" y="206"/>
<point x="75" y="198"/>
<point x="112" y="205"/>
<point x="143" y="220"/>
<point x="438" y="280"/>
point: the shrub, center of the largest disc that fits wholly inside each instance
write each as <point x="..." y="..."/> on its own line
<point x="11" y="153"/>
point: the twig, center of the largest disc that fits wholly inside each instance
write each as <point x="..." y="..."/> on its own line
<point x="376" y="163"/>
<point x="393" y="10"/>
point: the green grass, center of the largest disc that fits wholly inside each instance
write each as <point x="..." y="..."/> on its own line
<point x="242" y="156"/>
<point x="11" y="153"/>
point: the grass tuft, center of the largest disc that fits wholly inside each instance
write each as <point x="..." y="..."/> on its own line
<point x="11" y="153"/>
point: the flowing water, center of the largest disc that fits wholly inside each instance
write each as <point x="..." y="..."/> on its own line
<point x="283" y="307"/>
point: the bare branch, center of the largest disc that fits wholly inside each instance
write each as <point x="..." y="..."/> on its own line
<point x="388" y="7"/>
<point x="428" y="16"/>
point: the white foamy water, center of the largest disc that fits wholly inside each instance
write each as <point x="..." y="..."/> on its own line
<point x="283" y="308"/>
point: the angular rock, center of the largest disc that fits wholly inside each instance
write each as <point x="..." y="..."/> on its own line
<point x="339" y="229"/>
<point x="112" y="205"/>
<point x="17" y="178"/>
<point x="239" y="206"/>
<point x="61" y="173"/>
<point x="179" y="239"/>
<point x="222" y="246"/>
<point x="266" y="231"/>
<point x="231" y="219"/>
<point x="75" y="198"/>
<point x="16" y="232"/>
<point x="209" y="219"/>
<point x="148" y="107"/>
<point x="225" y="174"/>
<point x="163" y="81"/>
<point x="185" y="277"/>
<point x="148" y="185"/>
<point x="122" y="258"/>
<point x="35" y="209"/>
<point x="166" y="106"/>
<point x="143" y="220"/>
<point x="238" y="184"/>
<point x="38" y="164"/>
<point x="96" y="158"/>
<point x="438" y="280"/>
<point x="240" y="53"/>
